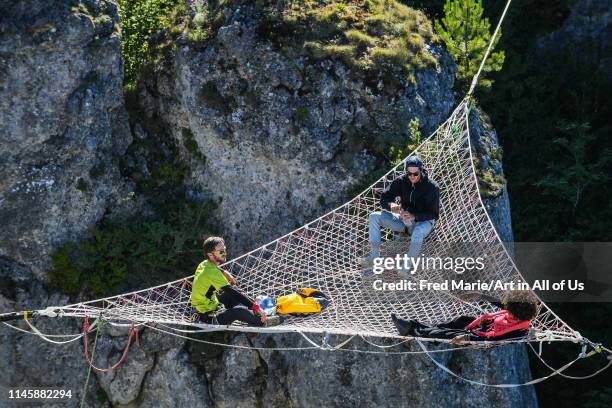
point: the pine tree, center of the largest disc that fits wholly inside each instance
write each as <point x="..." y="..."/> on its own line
<point x="467" y="35"/>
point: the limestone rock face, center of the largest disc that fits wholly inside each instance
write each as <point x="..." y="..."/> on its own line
<point x="490" y="173"/>
<point x="25" y="359"/>
<point x="284" y="138"/>
<point x="62" y="122"/>
<point x="175" y="382"/>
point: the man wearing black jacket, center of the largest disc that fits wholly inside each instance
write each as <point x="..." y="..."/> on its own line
<point x="412" y="204"/>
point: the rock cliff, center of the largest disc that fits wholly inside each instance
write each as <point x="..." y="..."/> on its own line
<point x="281" y="139"/>
<point x="284" y="137"/>
<point x="62" y="123"/>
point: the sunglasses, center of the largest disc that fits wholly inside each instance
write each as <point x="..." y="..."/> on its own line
<point x="220" y="251"/>
<point x="410" y="174"/>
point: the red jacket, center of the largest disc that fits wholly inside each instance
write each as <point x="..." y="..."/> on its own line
<point x="496" y="324"/>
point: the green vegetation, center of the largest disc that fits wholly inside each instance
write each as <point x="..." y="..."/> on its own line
<point x="467" y="34"/>
<point x="151" y="28"/>
<point x="301" y="114"/>
<point x="397" y="153"/>
<point x="205" y="22"/>
<point x="81" y="185"/>
<point x="97" y="170"/>
<point x="80" y="8"/>
<point x="104" y="19"/>
<point x="133" y="252"/>
<point x="490" y="184"/>
<point x="191" y="145"/>
<point x="145" y="25"/>
<point x="551" y="110"/>
<point x="371" y="36"/>
<point x="569" y="179"/>
<point x="101" y="396"/>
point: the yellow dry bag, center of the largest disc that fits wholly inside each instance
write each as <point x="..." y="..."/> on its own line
<point x="306" y="300"/>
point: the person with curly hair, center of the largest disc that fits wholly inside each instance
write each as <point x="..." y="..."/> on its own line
<point x="519" y="307"/>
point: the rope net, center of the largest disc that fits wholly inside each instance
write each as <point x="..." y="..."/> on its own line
<point x="325" y="254"/>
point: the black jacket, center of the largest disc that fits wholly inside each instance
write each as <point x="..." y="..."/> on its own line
<point x="422" y="200"/>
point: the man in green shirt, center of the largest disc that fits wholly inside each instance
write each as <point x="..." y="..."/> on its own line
<point x="213" y="286"/>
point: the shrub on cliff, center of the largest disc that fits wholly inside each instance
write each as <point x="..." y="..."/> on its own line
<point x="133" y="252"/>
<point x="376" y="36"/>
<point x="143" y="23"/>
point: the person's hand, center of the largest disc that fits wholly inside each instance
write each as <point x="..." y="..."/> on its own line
<point x="262" y="316"/>
<point x="406" y="216"/>
<point x="459" y="339"/>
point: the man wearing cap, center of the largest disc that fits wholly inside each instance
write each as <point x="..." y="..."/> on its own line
<point x="411" y="204"/>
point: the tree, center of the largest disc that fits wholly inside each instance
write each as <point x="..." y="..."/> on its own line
<point x="141" y="22"/>
<point x="397" y="153"/>
<point x="467" y="35"/>
<point x="582" y="166"/>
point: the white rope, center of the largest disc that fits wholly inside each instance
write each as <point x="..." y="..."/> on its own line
<point x="172" y="331"/>
<point x="343" y="343"/>
<point x="571" y="377"/>
<point x="237" y="346"/>
<point x="72" y="336"/>
<point x="484" y="60"/>
<point x="383" y="346"/>
<point x="309" y="340"/>
<point x="188" y="331"/>
<point x="47" y="337"/>
<point x="474" y="382"/>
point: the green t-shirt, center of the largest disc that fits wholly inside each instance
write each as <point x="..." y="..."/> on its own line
<point x="208" y="279"/>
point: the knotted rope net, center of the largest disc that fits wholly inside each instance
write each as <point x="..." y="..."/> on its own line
<point x="325" y="254"/>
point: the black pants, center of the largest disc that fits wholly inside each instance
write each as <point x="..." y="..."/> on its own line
<point x="446" y="330"/>
<point x="456" y="327"/>
<point x="236" y="308"/>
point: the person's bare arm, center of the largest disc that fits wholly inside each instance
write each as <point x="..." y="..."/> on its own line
<point x="229" y="277"/>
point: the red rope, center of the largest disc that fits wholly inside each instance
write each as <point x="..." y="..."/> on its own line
<point x="131" y="333"/>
